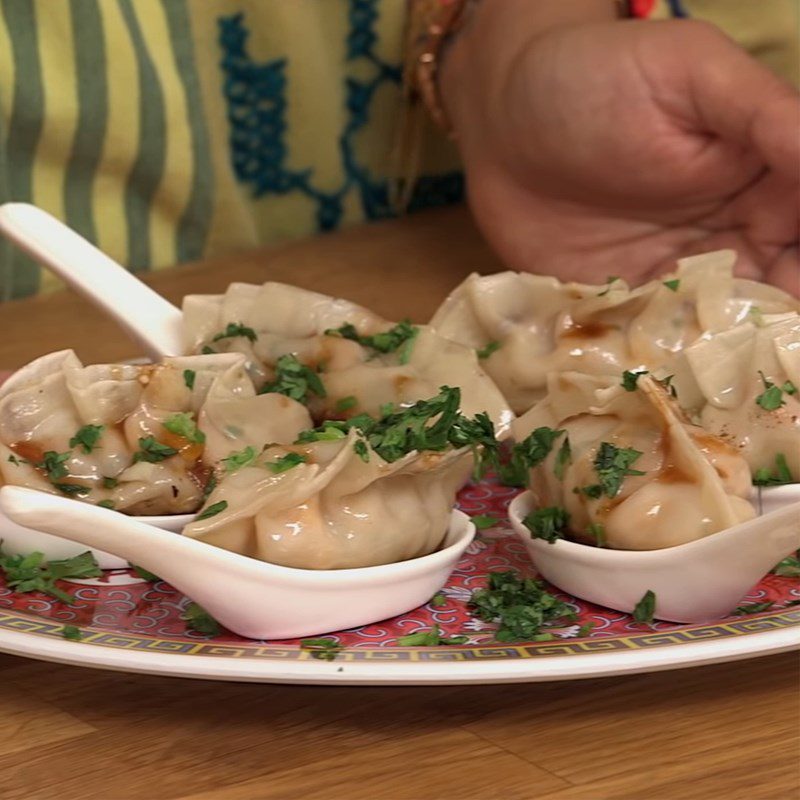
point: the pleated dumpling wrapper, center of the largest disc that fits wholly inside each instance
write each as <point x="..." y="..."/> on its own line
<point x="348" y="495"/>
<point x="137" y="438"/>
<point x="338" y="358"/>
<point x="624" y="468"/>
<point x="526" y="326"/>
<point x="744" y="386"/>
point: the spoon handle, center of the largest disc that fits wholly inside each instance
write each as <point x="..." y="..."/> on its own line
<point x="146" y="316"/>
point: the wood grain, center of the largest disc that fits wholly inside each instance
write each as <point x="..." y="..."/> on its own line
<point x="728" y="731"/>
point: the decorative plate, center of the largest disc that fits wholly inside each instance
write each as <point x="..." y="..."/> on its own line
<point x="129" y="624"/>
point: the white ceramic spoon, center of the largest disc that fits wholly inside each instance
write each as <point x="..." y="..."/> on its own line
<point x="250" y="597"/>
<point x="146" y="316"/>
<point x="695" y="582"/>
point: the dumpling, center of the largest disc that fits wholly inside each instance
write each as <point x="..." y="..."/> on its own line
<point x="338" y="358"/>
<point x="743" y="385"/>
<point x="127" y="436"/>
<point x="527" y="326"/>
<point x="627" y="470"/>
<point x="333" y="505"/>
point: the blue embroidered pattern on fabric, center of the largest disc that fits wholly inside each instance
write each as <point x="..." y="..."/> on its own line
<point x="256" y="98"/>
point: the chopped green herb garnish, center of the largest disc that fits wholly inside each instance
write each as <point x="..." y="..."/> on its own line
<point x="211" y="484"/>
<point x="141" y="572"/>
<point x="586" y="628"/>
<point x="487" y="350"/>
<point x="673" y="284"/>
<point x="212" y="510"/>
<point x="400" y="336"/>
<point x="17" y="461"/>
<point x="612" y="465"/>
<point x="106" y="504"/>
<point x="324" y="649"/>
<point x="72" y="633"/>
<point x="53" y="464"/>
<point x="521" y="606"/>
<point x="188" y="378"/>
<point x="346" y="403"/>
<point x="240" y="459"/>
<point x="484" y="521"/>
<point x="30" y="573"/>
<point x="198" y="619"/>
<point x="152" y="451"/>
<point x="563" y="459"/>
<point x="527" y="454"/>
<point x="327" y="432"/>
<point x="110" y="483"/>
<point x="429" y="638"/>
<point x="87" y="437"/>
<point x="182" y="424"/>
<point x="629" y="378"/>
<point x="763" y="476"/>
<point x="752" y="608"/>
<point x="789" y="567"/>
<point x="771" y="398"/>
<point x="235" y="329"/>
<point x="361" y="450"/>
<point x="598" y="533"/>
<point x="207" y="351"/>
<point x="295" y="380"/>
<point x="547" y="523"/>
<point x="645" y="608"/>
<point x="667" y="384"/>
<point x="72" y="489"/>
<point x="609" y="280"/>
<point x="286" y="462"/>
<point x="438" y="600"/>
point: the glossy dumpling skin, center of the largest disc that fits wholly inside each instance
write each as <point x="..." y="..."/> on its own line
<point x="46" y="404"/>
<point x="693" y="484"/>
<point x="335" y="511"/>
<point x="285" y="320"/>
<point x="721" y="380"/>
<point x="543" y="326"/>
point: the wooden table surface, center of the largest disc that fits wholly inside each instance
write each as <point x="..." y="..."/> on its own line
<point x="725" y="731"/>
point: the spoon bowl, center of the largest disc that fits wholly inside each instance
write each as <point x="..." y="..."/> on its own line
<point x="249" y="597"/>
<point x="699" y="581"/>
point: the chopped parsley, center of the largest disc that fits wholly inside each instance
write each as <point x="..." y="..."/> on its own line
<point x="188" y="378"/>
<point x="429" y="638"/>
<point x="294" y="380"/>
<point x="17" y="461"/>
<point x="72" y="633"/>
<point x="182" y="424"/>
<point x="107" y="504"/>
<point x="110" y="483"/>
<point x="673" y="284"/>
<point x="598" y="533"/>
<point x="752" y="608"/>
<point x="484" y="521"/>
<point x="207" y="351"/>
<point x="361" y="450"/>
<point x="563" y="459"/>
<point x="145" y="574"/>
<point x="53" y="464"/>
<point x="322" y="648"/>
<point x="87" y="437"/>
<point x="212" y="510"/>
<point x="399" y="338"/>
<point x="72" y="489"/>
<point x="629" y="378"/>
<point x="235" y="329"/>
<point x="346" y="403"/>
<point x="612" y="465"/>
<point x="285" y="463"/>
<point x="527" y="454"/>
<point x="771" y="399"/>
<point x="609" y="281"/>
<point x="152" y="451"/>
<point x="645" y="608"/>
<point x="30" y="573"/>
<point x="789" y="567"/>
<point x="211" y="484"/>
<point x="198" y="619"/>
<point x="240" y="459"/>
<point x="521" y="606"/>
<point x="547" y="523"/>
<point x="438" y="600"/>
<point x="763" y="476"/>
<point x="487" y="350"/>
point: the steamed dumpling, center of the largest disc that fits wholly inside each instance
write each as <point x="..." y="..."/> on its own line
<point x="635" y="474"/>
<point x="127" y="436"/>
<point x="333" y="505"/>
<point x="744" y="386"/>
<point x="279" y="328"/>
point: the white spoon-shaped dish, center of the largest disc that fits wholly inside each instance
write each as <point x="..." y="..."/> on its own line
<point x="147" y="317"/>
<point x="18" y="540"/>
<point x="250" y="597"/>
<point x="694" y="582"/>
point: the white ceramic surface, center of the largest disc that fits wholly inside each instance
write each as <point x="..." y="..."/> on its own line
<point x="249" y="597"/>
<point x="17" y="539"/>
<point x="146" y="316"/>
<point x="694" y="582"/>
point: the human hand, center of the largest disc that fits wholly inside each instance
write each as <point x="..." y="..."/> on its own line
<point x="606" y="148"/>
